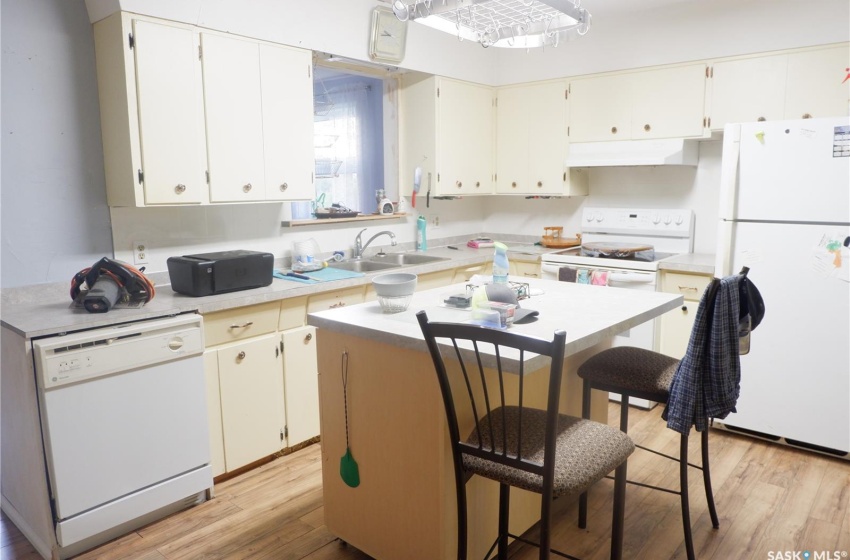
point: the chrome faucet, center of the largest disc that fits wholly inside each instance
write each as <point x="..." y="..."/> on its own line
<point x="359" y="247"/>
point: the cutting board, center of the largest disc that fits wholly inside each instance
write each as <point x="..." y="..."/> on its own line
<point x="326" y="274"/>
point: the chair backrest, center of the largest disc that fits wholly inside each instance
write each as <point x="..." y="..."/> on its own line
<point x="475" y="391"/>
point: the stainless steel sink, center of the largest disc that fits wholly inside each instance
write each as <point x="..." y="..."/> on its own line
<point x="364" y="266"/>
<point x="401" y="259"/>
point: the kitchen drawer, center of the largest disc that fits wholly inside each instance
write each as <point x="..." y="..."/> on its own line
<point x="240" y="323"/>
<point x="464" y="274"/>
<point x="337" y="298"/>
<point x="524" y="269"/>
<point x="293" y="313"/>
<point x="691" y="286"/>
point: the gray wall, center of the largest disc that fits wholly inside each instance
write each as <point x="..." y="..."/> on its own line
<point x="54" y="215"/>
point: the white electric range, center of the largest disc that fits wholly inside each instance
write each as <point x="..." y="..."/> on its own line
<point x="626" y="245"/>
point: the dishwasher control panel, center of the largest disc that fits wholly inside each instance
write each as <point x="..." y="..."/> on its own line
<point x="80" y="356"/>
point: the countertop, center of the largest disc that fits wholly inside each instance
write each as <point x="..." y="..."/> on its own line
<point x="589" y="314"/>
<point x="45" y="309"/>
<point x="695" y="263"/>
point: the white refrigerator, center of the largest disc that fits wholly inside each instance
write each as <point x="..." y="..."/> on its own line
<point x="785" y="214"/>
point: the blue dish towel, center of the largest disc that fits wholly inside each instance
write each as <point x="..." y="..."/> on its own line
<point x="322" y="275"/>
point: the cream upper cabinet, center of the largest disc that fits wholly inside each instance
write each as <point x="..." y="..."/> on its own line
<point x="660" y="103"/>
<point x="795" y="85"/>
<point x="746" y="90"/>
<point x="467" y="129"/>
<point x="600" y="108"/>
<point x="287" y="94"/>
<point x="192" y="117"/>
<point x="532" y="143"/>
<point x="669" y="102"/>
<point x="234" y="118"/>
<point x="151" y="106"/>
<point x="447" y="129"/>
<point x="817" y="83"/>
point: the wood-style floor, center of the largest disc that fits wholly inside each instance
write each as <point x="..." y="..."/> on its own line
<point x="769" y="498"/>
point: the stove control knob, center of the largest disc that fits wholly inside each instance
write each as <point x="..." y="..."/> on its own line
<point x="598" y="217"/>
<point x="588" y="217"/>
<point x="667" y="220"/>
<point x="679" y="220"/>
<point x="656" y="219"/>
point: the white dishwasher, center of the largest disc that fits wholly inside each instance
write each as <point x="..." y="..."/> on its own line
<point x="124" y="424"/>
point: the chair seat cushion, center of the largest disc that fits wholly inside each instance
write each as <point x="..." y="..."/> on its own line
<point x="586" y="450"/>
<point x="631" y="369"/>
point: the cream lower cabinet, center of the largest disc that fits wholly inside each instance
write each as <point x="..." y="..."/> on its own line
<point x="253" y="416"/>
<point x="676" y="325"/>
<point x="301" y="384"/>
<point x="245" y="391"/>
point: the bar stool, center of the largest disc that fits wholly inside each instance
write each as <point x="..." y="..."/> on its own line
<point x="512" y="443"/>
<point x="639" y="373"/>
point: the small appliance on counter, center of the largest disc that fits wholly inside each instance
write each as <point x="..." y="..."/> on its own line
<point x="217" y="273"/>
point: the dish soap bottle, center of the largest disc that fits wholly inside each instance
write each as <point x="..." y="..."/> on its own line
<point x="500" y="263"/>
<point x="421" y="240"/>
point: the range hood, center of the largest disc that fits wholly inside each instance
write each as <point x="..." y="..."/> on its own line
<point x="669" y="151"/>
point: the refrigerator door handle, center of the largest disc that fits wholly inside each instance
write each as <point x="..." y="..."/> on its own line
<point x="729" y="171"/>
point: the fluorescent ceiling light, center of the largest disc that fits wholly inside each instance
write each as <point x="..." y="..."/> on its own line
<point x="518" y="24"/>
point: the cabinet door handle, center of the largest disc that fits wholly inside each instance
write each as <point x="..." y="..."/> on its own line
<point x="513" y="185"/>
<point x="647" y="128"/>
<point x="242" y="326"/>
<point x="247" y="188"/>
<point x="613" y="130"/>
<point x="539" y="184"/>
<point x="684" y="308"/>
<point x="807" y="115"/>
<point x="687" y="289"/>
<point x="240" y="356"/>
<point x="308" y="338"/>
<point x="477" y="184"/>
<point x="761" y="119"/>
<point x="458" y="184"/>
<point x="283" y="187"/>
<point x="336" y="305"/>
<point x="180" y="189"/>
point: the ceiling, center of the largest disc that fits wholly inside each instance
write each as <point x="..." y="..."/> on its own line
<point x="615" y="8"/>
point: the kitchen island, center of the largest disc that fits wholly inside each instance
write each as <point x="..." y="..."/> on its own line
<point x="405" y="506"/>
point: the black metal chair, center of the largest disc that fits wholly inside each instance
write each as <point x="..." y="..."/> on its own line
<point x="635" y="372"/>
<point x="507" y="440"/>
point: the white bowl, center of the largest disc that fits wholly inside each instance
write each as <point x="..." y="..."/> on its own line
<point x="394" y="284"/>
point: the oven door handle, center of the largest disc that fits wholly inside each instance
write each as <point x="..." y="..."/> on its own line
<point x="630" y="277"/>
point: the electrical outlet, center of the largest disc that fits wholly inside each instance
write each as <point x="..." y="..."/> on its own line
<point x="435" y="222"/>
<point x="140" y="252"/>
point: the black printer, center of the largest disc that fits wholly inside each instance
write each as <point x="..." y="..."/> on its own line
<point x="217" y="273"/>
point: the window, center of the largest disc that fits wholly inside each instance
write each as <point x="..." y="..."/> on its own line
<point x="349" y="141"/>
